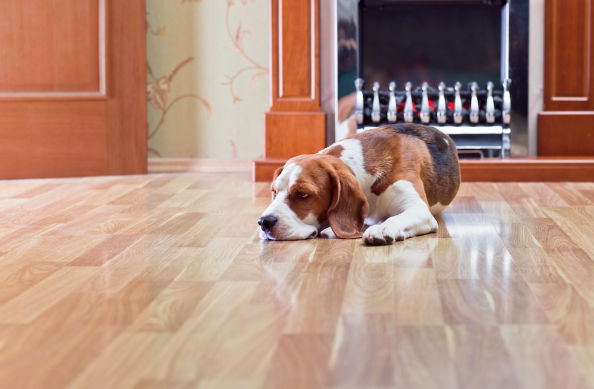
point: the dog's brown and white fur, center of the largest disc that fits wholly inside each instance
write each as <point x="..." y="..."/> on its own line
<point x="393" y="179"/>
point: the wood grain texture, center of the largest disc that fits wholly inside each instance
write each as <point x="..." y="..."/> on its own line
<point x="295" y="55"/>
<point x="566" y="134"/>
<point x="569" y="49"/>
<point x="83" y="112"/>
<point x="528" y="169"/>
<point x="34" y="56"/>
<point x="290" y="134"/>
<point x="161" y="281"/>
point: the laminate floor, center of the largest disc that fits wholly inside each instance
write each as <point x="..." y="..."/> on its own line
<point x="160" y="281"/>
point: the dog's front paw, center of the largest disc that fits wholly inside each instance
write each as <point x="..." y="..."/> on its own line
<point x="327" y="233"/>
<point x="433" y="226"/>
<point x="379" y="235"/>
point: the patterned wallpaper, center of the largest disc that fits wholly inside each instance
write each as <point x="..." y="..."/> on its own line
<point x="207" y="78"/>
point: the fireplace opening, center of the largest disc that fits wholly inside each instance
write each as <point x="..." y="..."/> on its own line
<point x="430" y="44"/>
<point x="459" y="65"/>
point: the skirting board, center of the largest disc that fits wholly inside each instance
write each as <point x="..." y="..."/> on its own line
<point x="198" y="165"/>
<point x="489" y="170"/>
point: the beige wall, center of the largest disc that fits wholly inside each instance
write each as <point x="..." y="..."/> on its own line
<point x="207" y="78"/>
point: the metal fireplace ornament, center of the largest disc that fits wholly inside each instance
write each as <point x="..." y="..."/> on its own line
<point x="444" y="63"/>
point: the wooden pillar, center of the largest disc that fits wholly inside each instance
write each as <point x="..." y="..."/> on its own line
<point x="566" y="125"/>
<point x="294" y="124"/>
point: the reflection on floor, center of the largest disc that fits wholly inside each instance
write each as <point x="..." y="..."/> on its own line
<point x="161" y="281"/>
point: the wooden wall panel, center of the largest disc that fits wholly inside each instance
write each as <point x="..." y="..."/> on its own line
<point x="58" y="140"/>
<point x="565" y="127"/>
<point x="566" y="133"/>
<point x="568" y="41"/>
<point x="279" y="145"/>
<point x="294" y="55"/>
<point x="51" y="46"/>
<point x="295" y="68"/>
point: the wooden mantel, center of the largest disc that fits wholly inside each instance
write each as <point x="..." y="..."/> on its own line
<point x="295" y="124"/>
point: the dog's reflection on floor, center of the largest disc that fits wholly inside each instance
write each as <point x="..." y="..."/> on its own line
<point x="326" y="263"/>
<point x="285" y="265"/>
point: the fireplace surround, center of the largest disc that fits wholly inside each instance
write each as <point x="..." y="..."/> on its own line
<point x="302" y="108"/>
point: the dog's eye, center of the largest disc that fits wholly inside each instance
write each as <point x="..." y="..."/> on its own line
<point x="302" y="195"/>
<point x="273" y="194"/>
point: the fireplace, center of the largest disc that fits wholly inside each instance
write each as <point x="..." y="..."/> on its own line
<point x="557" y="144"/>
<point x="459" y="65"/>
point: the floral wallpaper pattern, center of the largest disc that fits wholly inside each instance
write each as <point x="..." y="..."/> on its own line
<point x="207" y="78"/>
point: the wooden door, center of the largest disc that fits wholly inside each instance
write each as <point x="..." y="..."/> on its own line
<point x="72" y="88"/>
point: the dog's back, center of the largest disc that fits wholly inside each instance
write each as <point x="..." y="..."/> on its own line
<point x="444" y="160"/>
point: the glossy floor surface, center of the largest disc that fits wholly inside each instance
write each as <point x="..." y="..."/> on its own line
<point x="161" y="282"/>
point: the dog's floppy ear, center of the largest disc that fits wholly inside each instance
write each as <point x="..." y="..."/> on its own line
<point x="348" y="207"/>
<point x="277" y="173"/>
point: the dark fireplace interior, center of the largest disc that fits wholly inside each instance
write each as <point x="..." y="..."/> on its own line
<point x="432" y="42"/>
<point x="437" y="49"/>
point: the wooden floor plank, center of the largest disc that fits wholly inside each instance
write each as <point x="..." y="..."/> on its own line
<point x="540" y="358"/>
<point x="475" y="349"/>
<point x="577" y="224"/>
<point x="568" y="311"/>
<point x="584" y="355"/>
<point x="423" y="358"/>
<point x="299" y="362"/>
<point x="362" y="351"/>
<point x="32" y="302"/>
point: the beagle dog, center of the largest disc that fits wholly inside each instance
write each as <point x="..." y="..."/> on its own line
<point x="393" y="179"/>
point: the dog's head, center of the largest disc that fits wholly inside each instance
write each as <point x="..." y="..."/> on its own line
<point x="309" y="192"/>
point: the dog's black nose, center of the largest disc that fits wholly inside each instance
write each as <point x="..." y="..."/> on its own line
<point x="267" y="222"/>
